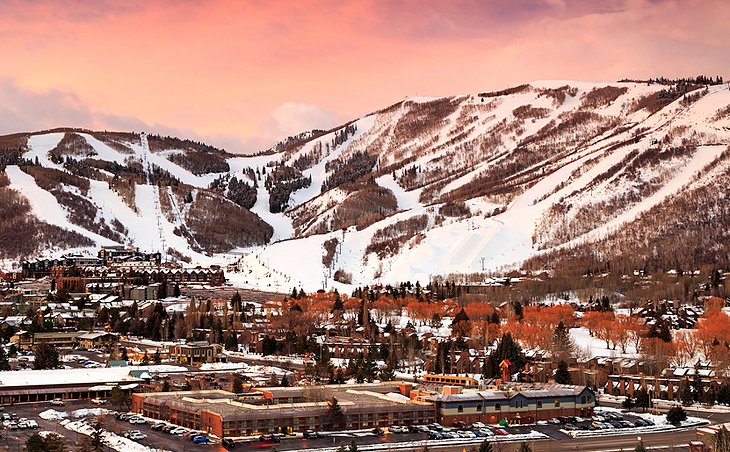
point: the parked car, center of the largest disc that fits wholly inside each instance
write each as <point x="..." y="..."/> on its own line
<point x="500" y="431"/>
<point x="57" y="402"/>
<point x="267" y="439"/>
<point x="98" y="401"/>
<point x="378" y="431"/>
<point x="179" y="431"/>
<point x="138" y="436"/>
<point x="136" y="420"/>
<point x="477" y="425"/>
<point x="311" y="434"/>
<point x="201" y="440"/>
<point x="396" y="429"/>
<point x="435" y="435"/>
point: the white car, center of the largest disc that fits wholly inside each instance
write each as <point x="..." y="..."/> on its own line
<point x="98" y="401"/>
<point x="136" y="420"/>
<point x="478" y="425"/>
<point x="57" y="402"/>
<point x="178" y="431"/>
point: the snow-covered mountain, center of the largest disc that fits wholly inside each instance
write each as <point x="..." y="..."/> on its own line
<point x="424" y="187"/>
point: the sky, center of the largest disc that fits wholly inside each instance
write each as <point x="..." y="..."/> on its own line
<point x="246" y="74"/>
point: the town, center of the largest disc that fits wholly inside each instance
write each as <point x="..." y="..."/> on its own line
<point x="97" y="344"/>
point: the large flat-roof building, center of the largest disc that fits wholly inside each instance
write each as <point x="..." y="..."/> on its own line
<point x="271" y="410"/>
<point x="516" y="404"/>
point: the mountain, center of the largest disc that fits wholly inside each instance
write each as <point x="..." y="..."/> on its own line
<point x="543" y="175"/>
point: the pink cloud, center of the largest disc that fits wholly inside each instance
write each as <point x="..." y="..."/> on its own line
<point x="223" y="68"/>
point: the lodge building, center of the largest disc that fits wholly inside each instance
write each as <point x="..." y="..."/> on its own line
<point x="297" y="409"/>
<point x="517" y="405"/>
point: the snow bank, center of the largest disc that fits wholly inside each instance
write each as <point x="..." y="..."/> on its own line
<point x="53" y="415"/>
<point x="110" y="439"/>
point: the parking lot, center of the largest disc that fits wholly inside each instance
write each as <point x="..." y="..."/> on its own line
<point x="154" y="436"/>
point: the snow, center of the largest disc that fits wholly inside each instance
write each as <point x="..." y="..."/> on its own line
<point x="469" y="245"/>
<point x="40" y="145"/>
<point x="596" y="347"/>
<point x="44" y="204"/>
<point x="406" y="199"/>
<point x="53" y="415"/>
<point x="110" y="439"/>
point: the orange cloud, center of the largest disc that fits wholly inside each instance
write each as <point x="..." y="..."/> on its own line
<point x="223" y="69"/>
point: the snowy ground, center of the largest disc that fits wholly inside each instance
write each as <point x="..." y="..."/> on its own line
<point x="112" y="440"/>
<point x="596" y="347"/>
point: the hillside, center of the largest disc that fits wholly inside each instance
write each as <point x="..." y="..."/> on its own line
<point x="612" y="173"/>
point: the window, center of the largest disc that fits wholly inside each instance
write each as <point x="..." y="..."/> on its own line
<point x="583" y="400"/>
<point x="460" y="408"/>
<point x="479" y="407"/>
<point x="539" y="403"/>
<point x="557" y="403"/>
<point x="498" y="406"/>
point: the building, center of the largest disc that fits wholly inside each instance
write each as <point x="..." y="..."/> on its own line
<point x="25" y="340"/>
<point x="23" y="386"/>
<point x="515" y="404"/>
<point x="272" y="410"/>
<point x="119" y="254"/>
<point x="348" y="347"/>
<point x="44" y="267"/>
<point x="198" y="352"/>
<point x="97" y="339"/>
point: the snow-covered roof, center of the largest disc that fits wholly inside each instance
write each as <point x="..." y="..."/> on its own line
<point x="91" y="376"/>
<point x="10" y="379"/>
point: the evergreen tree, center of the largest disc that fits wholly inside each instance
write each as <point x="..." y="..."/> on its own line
<point x="676" y="415"/>
<point x="236" y="302"/>
<point x="524" y="447"/>
<point x="721" y="441"/>
<point x="696" y="386"/>
<point x="145" y="359"/>
<point x="562" y="376"/>
<point x="46" y="356"/>
<point x="36" y="443"/>
<point x="237" y="384"/>
<point x="166" y="386"/>
<point x="486" y="446"/>
<point x="335" y="416"/>
<point x="628" y="403"/>
<point x="686" y="394"/>
<point x="642" y="399"/>
<point x="352" y="447"/>
<point x="157" y="359"/>
<point x="387" y="374"/>
<point x="284" y="381"/>
<point x="119" y="398"/>
<point x="640" y="447"/>
<point x="508" y="349"/>
<point x="664" y="333"/>
<point x="562" y="345"/>
<point x="4" y="362"/>
<point x="97" y="441"/>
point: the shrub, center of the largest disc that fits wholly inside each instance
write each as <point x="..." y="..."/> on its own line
<point x="676" y="415"/>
